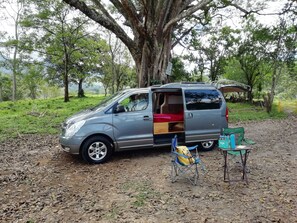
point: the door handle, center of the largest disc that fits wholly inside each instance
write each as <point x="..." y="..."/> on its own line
<point x="190" y="115"/>
<point x="146" y="117"/>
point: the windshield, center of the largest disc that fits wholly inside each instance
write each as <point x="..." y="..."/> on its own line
<point x="109" y="99"/>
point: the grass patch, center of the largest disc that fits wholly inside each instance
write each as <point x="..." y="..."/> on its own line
<point x="246" y="112"/>
<point x="42" y="116"/>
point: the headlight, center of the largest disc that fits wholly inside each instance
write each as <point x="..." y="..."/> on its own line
<point x="72" y="129"/>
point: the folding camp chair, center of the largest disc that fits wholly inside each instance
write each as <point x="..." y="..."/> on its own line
<point x="184" y="164"/>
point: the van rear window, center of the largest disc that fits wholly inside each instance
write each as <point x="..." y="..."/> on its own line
<point x="203" y="99"/>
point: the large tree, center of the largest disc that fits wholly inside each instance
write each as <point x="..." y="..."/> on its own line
<point x="66" y="42"/>
<point x="10" y="45"/>
<point x="282" y="39"/>
<point x="151" y="23"/>
<point x="210" y="50"/>
<point x="251" y="53"/>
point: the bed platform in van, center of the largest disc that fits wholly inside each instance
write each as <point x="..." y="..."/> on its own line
<point x="168" y="123"/>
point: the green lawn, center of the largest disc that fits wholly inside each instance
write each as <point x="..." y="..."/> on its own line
<point x="39" y="116"/>
<point x="45" y="115"/>
<point x="247" y="112"/>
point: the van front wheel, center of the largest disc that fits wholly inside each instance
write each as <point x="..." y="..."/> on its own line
<point x="96" y="149"/>
<point x="207" y="145"/>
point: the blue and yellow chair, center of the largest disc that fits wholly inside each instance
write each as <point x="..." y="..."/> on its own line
<point x="184" y="163"/>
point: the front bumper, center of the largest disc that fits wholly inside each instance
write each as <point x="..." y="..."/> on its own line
<point x="70" y="145"/>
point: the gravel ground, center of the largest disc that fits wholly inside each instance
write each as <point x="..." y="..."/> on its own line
<point x="41" y="183"/>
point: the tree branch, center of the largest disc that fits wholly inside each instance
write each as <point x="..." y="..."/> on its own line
<point x="186" y="13"/>
<point x="106" y="21"/>
<point x="182" y="36"/>
<point x="129" y="11"/>
<point x="163" y="12"/>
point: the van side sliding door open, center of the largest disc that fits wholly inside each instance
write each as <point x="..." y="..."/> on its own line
<point x="168" y="115"/>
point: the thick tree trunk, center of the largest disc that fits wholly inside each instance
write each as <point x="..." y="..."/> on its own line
<point x="250" y="82"/>
<point x="105" y="91"/>
<point x="250" y="92"/>
<point x="80" y="92"/>
<point x="66" y="80"/>
<point x="152" y="63"/>
<point x="66" y="88"/>
<point x="33" y="92"/>
<point x="14" y="85"/>
<point x="277" y="69"/>
<point x="272" y="92"/>
<point x="250" y="95"/>
<point x="66" y="72"/>
<point x="269" y="100"/>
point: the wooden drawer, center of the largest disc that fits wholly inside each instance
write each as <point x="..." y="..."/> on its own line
<point x="160" y="127"/>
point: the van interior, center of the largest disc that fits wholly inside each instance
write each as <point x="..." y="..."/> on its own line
<point x="168" y="115"/>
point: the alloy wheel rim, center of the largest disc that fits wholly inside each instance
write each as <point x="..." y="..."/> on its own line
<point x="207" y="144"/>
<point x="97" y="151"/>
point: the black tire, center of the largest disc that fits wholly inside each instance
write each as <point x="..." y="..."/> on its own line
<point x="207" y="145"/>
<point x="96" y="149"/>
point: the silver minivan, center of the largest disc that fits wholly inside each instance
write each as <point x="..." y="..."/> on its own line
<point x="147" y="118"/>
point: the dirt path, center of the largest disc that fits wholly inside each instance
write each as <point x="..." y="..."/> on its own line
<point x="40" y="183"/>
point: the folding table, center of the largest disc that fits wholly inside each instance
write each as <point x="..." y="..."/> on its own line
<point x="243" y="151"/>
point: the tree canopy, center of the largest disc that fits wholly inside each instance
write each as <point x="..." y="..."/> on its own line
<point x="150" y="27"/>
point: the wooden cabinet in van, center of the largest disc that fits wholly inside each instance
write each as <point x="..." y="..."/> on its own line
<point x="168" y="113"/>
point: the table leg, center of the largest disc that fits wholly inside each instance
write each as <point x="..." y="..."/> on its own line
<point x="243" y="161"/>
<point x="226" y="170"/>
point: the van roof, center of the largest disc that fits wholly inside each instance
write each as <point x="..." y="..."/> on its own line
<point x="187" y="85"/>
<point x="176" y="85"/>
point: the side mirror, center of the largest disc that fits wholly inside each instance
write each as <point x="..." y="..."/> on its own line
<point x="119" y="108"/>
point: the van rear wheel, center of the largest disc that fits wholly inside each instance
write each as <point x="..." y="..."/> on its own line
<point x="207" y="145"/>
<point x="96" y="149"/>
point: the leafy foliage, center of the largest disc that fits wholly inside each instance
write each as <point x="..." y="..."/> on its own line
<point x="71" y="51"/>
<point x="5" y="83"/>
<point x="179" y="73"/>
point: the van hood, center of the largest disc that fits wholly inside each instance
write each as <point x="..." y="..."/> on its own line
<point x="82" y="115"/>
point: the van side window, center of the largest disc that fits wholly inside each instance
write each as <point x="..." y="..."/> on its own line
<point x="135" y="102"/>
<point x="203" y="99"/>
